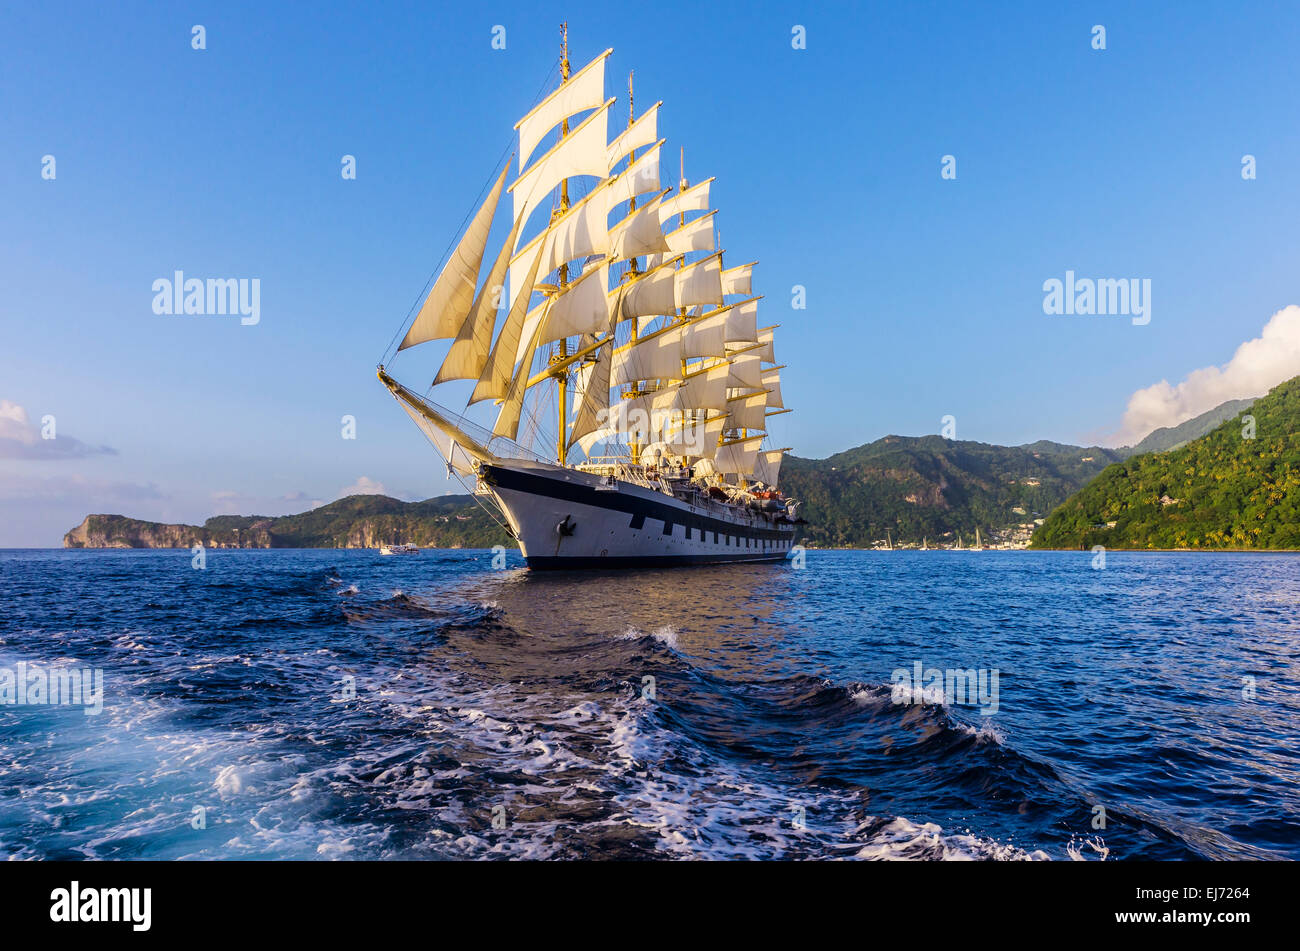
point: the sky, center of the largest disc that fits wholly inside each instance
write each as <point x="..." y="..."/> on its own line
<point x="925" y="277"/>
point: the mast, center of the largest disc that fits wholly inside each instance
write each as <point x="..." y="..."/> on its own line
<point x="682" y="185"/>
<point x="633" y="447"/>
<point x="562" y="377"/>
<point x="631" y="159"/>
<point x="681" y="221"/>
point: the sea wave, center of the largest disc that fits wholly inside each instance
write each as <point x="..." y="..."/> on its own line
<point x="312" y="705"/>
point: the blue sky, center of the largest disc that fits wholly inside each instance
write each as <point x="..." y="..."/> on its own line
<point x="924" y="295"/>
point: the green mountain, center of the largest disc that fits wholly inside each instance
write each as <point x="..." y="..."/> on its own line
<point x="1223" y="490"/>
<point x="358" y="521"/>
<point x="928" y="487"/>
<point x="1171" y="437"/>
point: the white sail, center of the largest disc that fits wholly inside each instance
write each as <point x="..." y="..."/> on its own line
<point x="639" y="177"/>
<point x="582" y="379"/>
<point x="581" y="231"/>
<point x="666" y="410"/>
<point x="512" y="405"/>
<point x="700" y="283"/>
<point x="580" y="308"/>
<point x="738" y="280"/>
<point x="469" y="351"/>
<point x="695" y="198"/>
<point x="584" y="90"/>
<point x="706" y="389"/>
<point x="452" y="296"/>
<point x="581" y="152"/>
<point x="639" y="134"/>
<point x="595" y="396"/>
<point x="638" y="418"/>
<point x="588" y="440"/>
<point x="696" y="439"/>
<point x="771" y="380"/>
<point x="637" y="234"/>
<point x="695" y="235"/>
<point x="745" y="371"/>
<point x="737" y="457"/>
<point x="706" y="337"/>
<point x="652" y="294"/>
<point x="494" y="381"/>
<point x="658" y="356"/>
<point x="702" y="338"/>
<point x="767" y="467"/>
<point x="747" y="412"/>
<point x="742" y="322"/>
<point x="765" y="352"/>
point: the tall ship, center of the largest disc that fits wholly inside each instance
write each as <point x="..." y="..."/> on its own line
<point x="631" y="382"/>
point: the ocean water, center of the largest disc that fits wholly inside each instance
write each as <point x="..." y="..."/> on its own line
<point x="345" y="705"/>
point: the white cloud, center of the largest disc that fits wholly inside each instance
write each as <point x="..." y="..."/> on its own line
<point x="20" y="439"/>
<point x="1257" y="366"/>
<point x="363" y="486"/>
<point x="13" y="419"/>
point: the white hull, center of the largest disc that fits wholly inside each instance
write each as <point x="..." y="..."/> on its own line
<point x="566" y="518"/>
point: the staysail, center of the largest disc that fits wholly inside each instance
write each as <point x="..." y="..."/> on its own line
<point x="452" y="296"/>
<point x="469" y="351"/>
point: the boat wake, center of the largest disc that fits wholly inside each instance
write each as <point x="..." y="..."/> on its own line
<point x="354" y="713"/>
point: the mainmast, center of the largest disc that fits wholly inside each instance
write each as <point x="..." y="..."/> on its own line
<point x="631" y="160"/>
<point x="633" y="447"/>
<point x="562" y="375"/>
<point x="682" y="185"/>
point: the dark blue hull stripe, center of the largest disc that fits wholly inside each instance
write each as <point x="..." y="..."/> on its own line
<point x="645" y="561"/>
<point x="639" y="508"/>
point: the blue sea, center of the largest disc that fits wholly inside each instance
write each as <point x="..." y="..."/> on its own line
<point x="345" y="705"/>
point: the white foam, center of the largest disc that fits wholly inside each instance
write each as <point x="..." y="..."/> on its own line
<point x="906" y="840"/>
<point x="1075" y="849"/>
<point x="229" y="782"/>
<point x="666" y="635"/>
<point x="985" y="732"/>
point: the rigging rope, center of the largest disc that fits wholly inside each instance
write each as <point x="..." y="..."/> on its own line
<point x="459" y="231"/>
<point x="487" y="511"/>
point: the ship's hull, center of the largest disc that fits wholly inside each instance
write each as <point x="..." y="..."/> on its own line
<point x="565" y="518"/>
